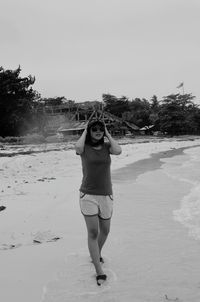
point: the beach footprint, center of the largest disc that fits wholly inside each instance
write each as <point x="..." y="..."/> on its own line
<point x="5" y="247"/>
<point x="18" y="240"/>
<point x="77" y="282"/>
<point x="170" y="299"/>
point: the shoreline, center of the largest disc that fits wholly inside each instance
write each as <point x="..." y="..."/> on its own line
<point x="10" y="150"/>
<point x="153" y="162"/>
<point x="162" y="257"/>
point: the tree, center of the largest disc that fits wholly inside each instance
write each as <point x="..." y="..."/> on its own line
<point x="139" y="112"/>
<point x="114" y="105"/>
<point x="54" y="101"/>
<point x="154" y="104"/>
<point x="193" y="119"/>
<point x="16" y="102"/>
<point x="173" y="113"/>
<point x="154" y="109"/>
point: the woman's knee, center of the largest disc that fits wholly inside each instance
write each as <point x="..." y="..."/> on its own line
<point x="105" y="230"/>
<point x="93" y="233"/>
<point x="105" y="227"/>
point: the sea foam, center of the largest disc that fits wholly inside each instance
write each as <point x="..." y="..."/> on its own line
<point x="186" y="168"/>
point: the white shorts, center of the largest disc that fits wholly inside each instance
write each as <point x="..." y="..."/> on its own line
<point x="92" y="205"/>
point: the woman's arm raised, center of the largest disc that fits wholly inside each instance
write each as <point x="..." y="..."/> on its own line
<point x="80" y="144"/>
<point x="115" y="148"/>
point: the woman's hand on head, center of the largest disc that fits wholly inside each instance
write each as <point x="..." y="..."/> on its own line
<point x="106" y="130"/>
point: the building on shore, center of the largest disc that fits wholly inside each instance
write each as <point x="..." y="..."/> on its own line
<point x="115" y="125"/>
<point x="70" y="119"/>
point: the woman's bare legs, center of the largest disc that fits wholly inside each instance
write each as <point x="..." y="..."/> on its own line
<point x="92" y="223"/>
<point x="104" y="226"/>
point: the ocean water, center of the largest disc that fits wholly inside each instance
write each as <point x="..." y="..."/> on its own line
<point x="186" y="168"/>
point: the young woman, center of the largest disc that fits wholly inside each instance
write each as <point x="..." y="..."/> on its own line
<point x="96" y="201"/>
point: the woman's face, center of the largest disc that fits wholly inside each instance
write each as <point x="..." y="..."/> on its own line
<point x="97" y="132"/>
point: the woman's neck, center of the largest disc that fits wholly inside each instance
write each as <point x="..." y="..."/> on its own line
<point x="96" y="143"/>
<point x="99" y="147"/>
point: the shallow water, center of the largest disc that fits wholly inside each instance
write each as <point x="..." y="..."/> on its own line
<point x="187" y="169"/>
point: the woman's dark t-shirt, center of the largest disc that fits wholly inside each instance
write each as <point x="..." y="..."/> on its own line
<point x="96" y="170"/>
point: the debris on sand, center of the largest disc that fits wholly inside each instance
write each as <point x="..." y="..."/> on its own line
<point x="2" y="208"/>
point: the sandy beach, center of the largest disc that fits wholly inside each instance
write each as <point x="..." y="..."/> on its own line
<point x="152" y="254"/>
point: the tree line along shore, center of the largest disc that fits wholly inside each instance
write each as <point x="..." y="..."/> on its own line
<point x="25" y="113"/>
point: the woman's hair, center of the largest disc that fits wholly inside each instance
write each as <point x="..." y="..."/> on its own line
<point x="88" y="139"/>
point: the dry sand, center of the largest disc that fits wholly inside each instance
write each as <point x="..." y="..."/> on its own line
<point x="43" y="253"/>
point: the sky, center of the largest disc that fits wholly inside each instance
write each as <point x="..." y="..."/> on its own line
<point x="81" y="49"/>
